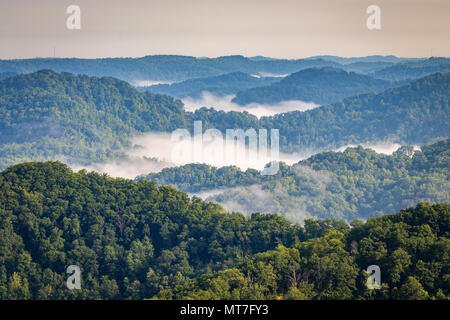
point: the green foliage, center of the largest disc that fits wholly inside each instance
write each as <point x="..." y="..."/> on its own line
<point x="415" y="113"/>
<point x="131" y="240"/>
<point x="179" y="68"/>
<point x="355" y="183"/>
<point x="333" y="265"/>
<point x="319" y="85"/>
<point x="46" y="115"/>
<point x="81" y="119"/>
<point x="196" y="177"/>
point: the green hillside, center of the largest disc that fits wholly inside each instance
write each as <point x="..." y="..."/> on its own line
<point x="408" y="70"/>
<point x="80" y="119"/>
<point x="46" y="115"/>
<point x="319" y="85"/>
<point x="135" y="240"/>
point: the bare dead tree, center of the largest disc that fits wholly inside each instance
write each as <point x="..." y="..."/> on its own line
<point x="249" y="278"/>
<point x="355" y="247"/>
<point x="121" y="223"/>
<point x="305" y="276"/>
<point x="293" y="279"/>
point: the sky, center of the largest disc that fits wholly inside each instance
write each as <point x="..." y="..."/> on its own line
<point x="275" y="28"/>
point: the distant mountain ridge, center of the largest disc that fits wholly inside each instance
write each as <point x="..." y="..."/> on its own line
<point x="48" y="115"/>
<point x="179" y="68"/>
<point x="413" y="69"/>
<point x="161" y="67"/>
<point x="414" y="113"/>
<point x="221" y="85"/>
<point x="319" y="85"/>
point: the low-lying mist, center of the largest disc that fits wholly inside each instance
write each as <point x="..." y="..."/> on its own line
<point x="224" y="103"/>
<point x="258" y="198"/>
<point x="153" y="151"/>
<point x="269" y="75"/>
<point x="148" y="83"/>
<point x="380" y="147"/>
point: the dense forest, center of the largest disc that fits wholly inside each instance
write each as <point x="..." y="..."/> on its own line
<point x="225" y="84"/>
<point x="319" y="85"/>
<point x="411" y="248"/>
<point x="82" y="119"/>
<point x="388" y="59"/>
<point x="415" y="113"/>
<point x="45" y="115"/>
<point x="134" y="240"/>
<point x="355" y="183"/>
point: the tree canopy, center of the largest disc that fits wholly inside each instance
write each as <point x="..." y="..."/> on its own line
<point x="136" y="240"/>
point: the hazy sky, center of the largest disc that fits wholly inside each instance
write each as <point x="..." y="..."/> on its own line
<point x="277" y="28"/>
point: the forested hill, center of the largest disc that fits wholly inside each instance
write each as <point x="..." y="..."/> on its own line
<point x="414" y="113"/>
<point x="319" y="85"/>
<point x="129" y="239"/>
<point x="225" y="84"/>
<point x="135" y="240"/>
<point x="46" y="115"/>
<point x="408" y="70"/>
<point x="356" y="183"/>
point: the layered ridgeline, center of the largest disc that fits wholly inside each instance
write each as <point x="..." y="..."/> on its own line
<point x="407" y="70"/>
<point x="135" y="240"/>
<point x="356" y="183"/>
<point x="411" y="248"/>
<point x="4" y="75"/>
<point x="415" y="113"/>
<point x="162" y="67"/>
<point x="319" y="85"/>
<point x="389" y="59"/>
<point x="179" y="68"/>
<point x="81" y="119"/>
<point x="226" y="84"/>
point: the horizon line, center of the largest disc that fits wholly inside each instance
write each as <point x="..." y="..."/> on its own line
<point x="224" y="56"/>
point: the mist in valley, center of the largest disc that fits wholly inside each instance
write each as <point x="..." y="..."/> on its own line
<point x="261" y="198"/>
<point x="224" y="103"/>
<point x="152" y="152"/>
